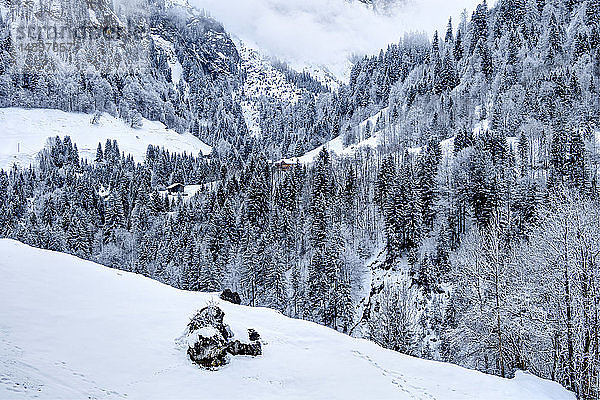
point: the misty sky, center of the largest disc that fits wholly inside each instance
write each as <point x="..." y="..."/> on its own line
<point x="327" y="32"/>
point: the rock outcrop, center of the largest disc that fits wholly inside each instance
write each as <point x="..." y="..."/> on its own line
<point x="210" y="341"/>
<point x="232" y="297"/>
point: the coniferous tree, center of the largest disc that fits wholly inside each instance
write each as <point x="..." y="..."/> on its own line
<point x="575" y="161"/>
<point x="458" y="50"/>
<point x="427" y="174"/>
<point x="449" y="32"/>
<point x="114" y="218"/>
<point x="390" y="202"/>
<point x="319" y="270"/>
<point x="558" y="161"/>
<point x="99" y="153"/>
<point x="257" y="203"/>
<point x="554" y="41"/>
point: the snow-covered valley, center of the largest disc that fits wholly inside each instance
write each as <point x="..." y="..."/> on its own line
<point x="419" y="182"/>
<point x="74" y="329"/>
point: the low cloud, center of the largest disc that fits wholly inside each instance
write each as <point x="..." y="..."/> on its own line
<point x="328" y="32"/>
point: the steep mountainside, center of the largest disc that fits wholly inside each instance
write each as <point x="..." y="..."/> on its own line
<point x="168" y="63"/>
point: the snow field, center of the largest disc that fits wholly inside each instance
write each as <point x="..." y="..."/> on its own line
<point x="24" y="133"/>
<point x="74" y="329"/>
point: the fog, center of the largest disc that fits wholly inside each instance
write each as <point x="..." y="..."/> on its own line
<point x="328" y="32"/>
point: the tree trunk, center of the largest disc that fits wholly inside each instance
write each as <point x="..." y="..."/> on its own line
<point x="569" y="313"/>
<point x="498" y="326"/>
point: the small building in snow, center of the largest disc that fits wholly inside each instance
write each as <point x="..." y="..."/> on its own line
<point x="176" y="188"/>
<point x="285" y="165"/>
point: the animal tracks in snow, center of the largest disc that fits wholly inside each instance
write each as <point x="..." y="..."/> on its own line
<point x="397" y="379"/>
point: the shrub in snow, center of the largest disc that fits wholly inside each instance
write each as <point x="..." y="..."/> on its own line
<point x="253" y="335"/>
<point x="210" y="340"/>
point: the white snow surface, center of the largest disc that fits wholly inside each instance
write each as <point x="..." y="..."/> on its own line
<point x="72" y="329"/>
<point x="25" y="132"/>
<point x="252" y="117"/>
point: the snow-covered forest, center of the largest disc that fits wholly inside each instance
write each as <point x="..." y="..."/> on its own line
<point x="462" y="227"/>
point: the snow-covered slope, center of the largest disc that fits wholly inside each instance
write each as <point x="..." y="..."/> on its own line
<point x="24" y="132"/>
<point x="263" y="79"/>
<point x="376" y="137"/>
<point x="174" y="64"/>
<point x="337" y="146"/>
<point x="74" y="329"/>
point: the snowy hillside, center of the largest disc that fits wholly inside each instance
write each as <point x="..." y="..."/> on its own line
<point x="264" y="79"/>
<point x="74" y="329"/>
<point x="368" y="135"/>
<point x="25" y="132"/>
<point x="174" y="65"/>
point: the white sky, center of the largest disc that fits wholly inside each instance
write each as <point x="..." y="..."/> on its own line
<point x="327" y="32"/>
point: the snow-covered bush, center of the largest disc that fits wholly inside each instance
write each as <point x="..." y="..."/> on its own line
<point x="210" y="341"/>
